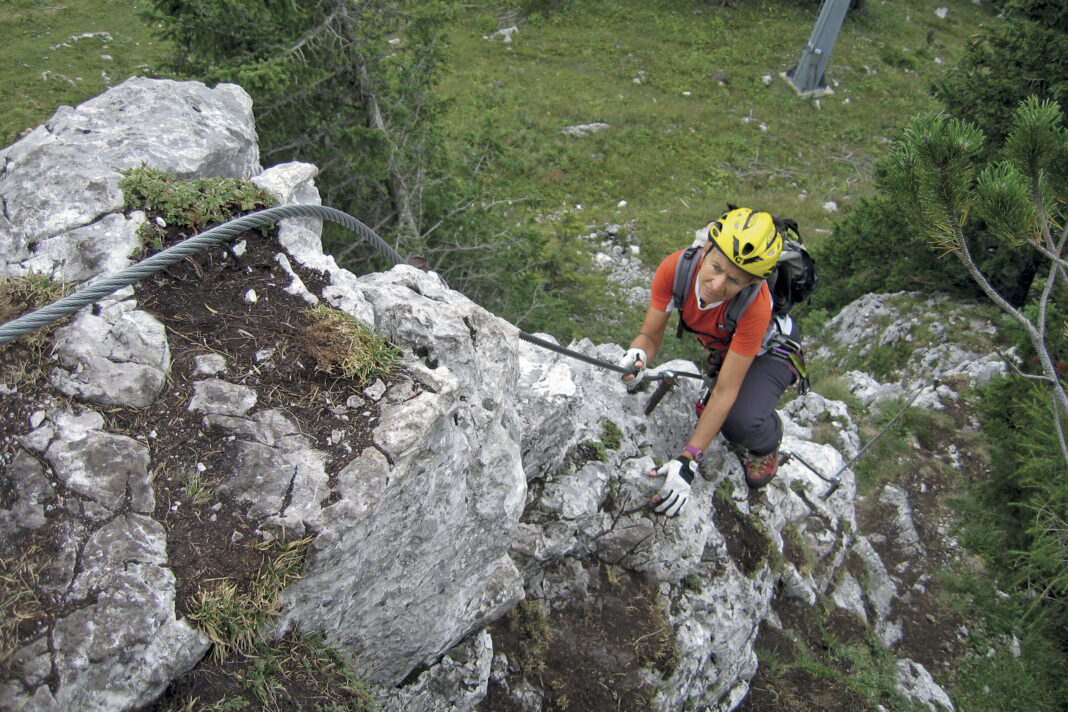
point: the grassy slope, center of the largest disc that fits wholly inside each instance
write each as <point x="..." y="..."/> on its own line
<point x="681" y="143"/>
<point x="64" y="53"/>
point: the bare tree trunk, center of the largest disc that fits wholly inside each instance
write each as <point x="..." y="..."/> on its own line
<point x="1034" y="333"/>
<point x="399" y="195"/>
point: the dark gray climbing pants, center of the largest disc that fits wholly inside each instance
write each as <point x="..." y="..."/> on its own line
<point x="752" y="422"/>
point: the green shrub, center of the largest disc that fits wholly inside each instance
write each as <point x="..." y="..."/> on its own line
<point x="1017" y="515"/>
<point x="190" y="204"/>
<point x="872" y="250"/>
<point x="1022" y="55"/>
<point x="611" y="435"/>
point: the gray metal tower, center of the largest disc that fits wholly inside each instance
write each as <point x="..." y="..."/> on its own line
<point x="806" y="77"/>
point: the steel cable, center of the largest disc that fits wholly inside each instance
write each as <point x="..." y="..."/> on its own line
<point x="68" y="305"/>
<point x="161" y="260"/>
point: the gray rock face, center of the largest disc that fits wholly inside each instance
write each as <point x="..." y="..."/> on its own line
<point x="916" y="683"/>
<point x="418" y="559"/>
<point x="118" y="358"/>
<point x="64" y="176"/>
<point x="485" y="483"/>
<point x="117" y="643"/>
<point x="888" y="320"/>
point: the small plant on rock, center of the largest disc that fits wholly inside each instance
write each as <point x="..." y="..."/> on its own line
<point x="232" y="618"/>
<point x="20" y="295"/>
<point x="528" y="621"/>
<point x="611" y="435"/>
<point x="190" y="204"/>
<point x="345" y="347"/>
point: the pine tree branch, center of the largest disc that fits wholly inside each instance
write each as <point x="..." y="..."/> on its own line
<point x="1036" y="336"/>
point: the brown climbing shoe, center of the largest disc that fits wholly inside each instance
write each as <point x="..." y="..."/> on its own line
<point x="761" y="469"/>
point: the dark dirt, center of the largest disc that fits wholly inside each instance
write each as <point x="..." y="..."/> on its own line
<point x="200" y="301"/>
<point x="747" y="544"/>
<point x="588" y="656"/>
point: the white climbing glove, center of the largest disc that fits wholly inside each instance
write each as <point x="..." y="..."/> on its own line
<point x="629" y="361"/>
<point x="676" y="490"/>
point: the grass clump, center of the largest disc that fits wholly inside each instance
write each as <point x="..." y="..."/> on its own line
<point x="232" y="618"/>
<point x="194" y="484"/>
<point x="189" y="204"/>
<point x="345" y="347"/>
<point x="20" y="295"/>
<point x="18" y="599"/>
<point x="280" y="676"/>
<point x="527" y="621"/>
<point x="658" y="648"/>
<point x="611" y="435"/>
<point x="595" y="450"/>
<point x="25" y="360"/>
<point x="250" y="671"/>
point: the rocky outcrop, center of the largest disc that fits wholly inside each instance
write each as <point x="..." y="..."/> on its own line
<point x="497" y="470"/>
<point x="60" y="184"/>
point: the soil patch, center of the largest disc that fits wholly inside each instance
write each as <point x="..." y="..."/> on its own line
<point x="231" y="301"/>
<point x="747" y="544"/>
<point x="206" y="304"/>
<point x="601" y="653"/>
<point x="782" y="684"/>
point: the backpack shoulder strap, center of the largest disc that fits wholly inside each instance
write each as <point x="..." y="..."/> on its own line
<point x="685" y="269"/>
<point x="738" y="304"/>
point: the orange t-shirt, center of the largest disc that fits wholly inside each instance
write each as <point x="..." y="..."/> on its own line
<point x="752" y="324"/>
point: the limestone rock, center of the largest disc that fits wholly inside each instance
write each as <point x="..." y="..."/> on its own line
<point x="916" y="683"/>
<point x="118" y="358"/>
<point x="64" y="176"/>
<point x="421" y="561"/>
<point x="116" y="643"/>
<point x="457" y="683"/>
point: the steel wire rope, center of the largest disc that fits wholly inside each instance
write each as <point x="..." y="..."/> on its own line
<point x="161" y="260"/>
<point x="68" y="305"/>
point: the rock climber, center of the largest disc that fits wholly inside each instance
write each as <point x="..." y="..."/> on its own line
<point x="744" y="380"/>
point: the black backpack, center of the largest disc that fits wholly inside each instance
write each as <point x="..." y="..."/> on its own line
<point x="792" y="280"/>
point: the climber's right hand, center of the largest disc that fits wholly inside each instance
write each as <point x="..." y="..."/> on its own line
<point x="634" y="362"/>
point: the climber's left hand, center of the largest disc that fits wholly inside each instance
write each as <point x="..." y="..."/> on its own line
<point x="678" y="473"/>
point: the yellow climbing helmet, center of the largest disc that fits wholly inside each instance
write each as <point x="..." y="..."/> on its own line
<point x="749" y="239"/>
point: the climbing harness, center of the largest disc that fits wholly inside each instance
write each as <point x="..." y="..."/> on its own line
<point x="783" y="347"/>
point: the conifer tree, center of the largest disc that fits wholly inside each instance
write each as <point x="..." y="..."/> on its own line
<point x="934" y="175"/>
<point x="344" y="84"/>
<point x="1024" y="53"/>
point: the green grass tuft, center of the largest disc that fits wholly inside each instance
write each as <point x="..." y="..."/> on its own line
<point x="343" y="346"/>
<point x="193" y="205"/>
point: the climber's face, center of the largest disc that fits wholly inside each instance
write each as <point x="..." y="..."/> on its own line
<point x="719" y="279"/>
